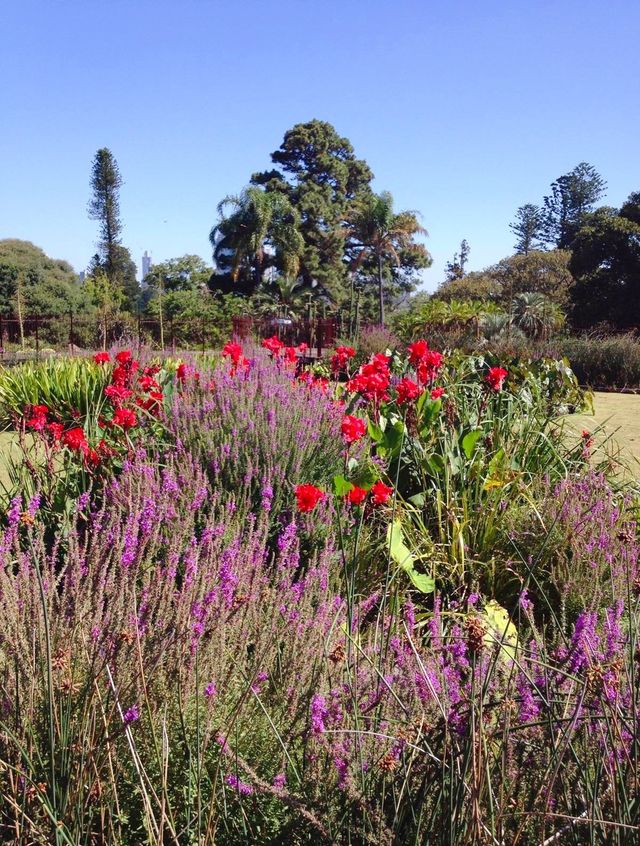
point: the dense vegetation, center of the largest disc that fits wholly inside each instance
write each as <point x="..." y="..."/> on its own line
<point x="377" y="600"/>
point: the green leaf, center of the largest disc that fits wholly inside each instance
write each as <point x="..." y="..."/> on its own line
<point x="430" y="411"/>
<point x="341" y="486"/>
<point x="375" y="432"/>
<point x="422" y="582"/>
<point x="365" y="476"/>
<point x="400" y="552"/>
<point x="418" y="500"/>
<point x="470" y="441"/>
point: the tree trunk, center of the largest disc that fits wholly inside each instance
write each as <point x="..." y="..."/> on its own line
<point x="380" y="293"/>
<point x="19" y="303"/>
<point x="351" y="309"/>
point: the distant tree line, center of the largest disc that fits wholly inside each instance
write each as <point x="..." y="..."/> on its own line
<point x="582" y="258"/>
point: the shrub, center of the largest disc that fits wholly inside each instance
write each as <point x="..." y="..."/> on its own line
<point x="611" y="362"/>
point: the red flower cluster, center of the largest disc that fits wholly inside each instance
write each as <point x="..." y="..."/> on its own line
<point x="353" y="428"/>
<point x="125" y="418"/>
<point x="436" y="393"/>
<point x="102" y="357"/>
<point x="340" y="358"/>
<point x="312" y="381"/>
<point x="372" y="380"/>
<point x="407" y="391"/>
<point x="308" y="496"/>
<point x="273" y="344"/>
<point x="38" y="419"/>
<point x="495" y="378"/>
<point x="427" y="362"/>
<point x="380" y="493"/>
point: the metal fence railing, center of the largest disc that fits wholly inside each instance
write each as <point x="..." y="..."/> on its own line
<point x="33" y="335"/>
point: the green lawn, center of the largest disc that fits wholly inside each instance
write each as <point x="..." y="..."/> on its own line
<point x="617" y="416"/>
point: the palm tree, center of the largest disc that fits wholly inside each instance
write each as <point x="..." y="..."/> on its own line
<point x="379" y="234"/>
<point x="536" y="315"/>
<point x="284" y="296"/>
<point x="260" y="223"/>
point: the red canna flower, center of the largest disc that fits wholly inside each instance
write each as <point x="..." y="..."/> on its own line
<point x="75" y="439"/>
<point x="380" y="493"/>
<point x="416" y="351"/>
<point x="148" y="383"/>
<point x="303" y="347"/>
<point x="102" y="357"/>
<point x="495" y="378"/>
<point x="181" y="372"/>
<point x="340" y="358"/>
<point x="56" y="430"/>
<point x="436" y="393"/>
<point x="408" y="390"/>
<point x="429" y="366"/>
<point x="308" y="496"/>
<point x="290" y="355"/>
<point x="38" y="419"/>
<point x="233" y="351"/>
<point x="356" y="496"/>
<point x="123" y="357"/>
<point x="124" y="417"/>
<point x="92" y="457"/>
<point x="118" y="393"/>
<point x="353" y="428"/>
<point x="273" y="344"/>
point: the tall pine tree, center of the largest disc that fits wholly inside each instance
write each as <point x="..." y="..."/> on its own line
<point x="572" y="197"/>
<point x="527" y="227"/>
<point x="112" y="258"/>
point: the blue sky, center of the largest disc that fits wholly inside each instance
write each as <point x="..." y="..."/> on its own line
<point x="464" y="109"/>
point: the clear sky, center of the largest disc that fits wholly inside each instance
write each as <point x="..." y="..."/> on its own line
<point x="464" y="109"/>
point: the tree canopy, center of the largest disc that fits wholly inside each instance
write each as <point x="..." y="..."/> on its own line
<point x="606" y="264"/>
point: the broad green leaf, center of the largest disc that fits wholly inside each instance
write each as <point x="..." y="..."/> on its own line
<point x="400" y="552"/>
<point x="365" y="476"/>
<point x="375" y="432"/>
<point x="341" y="486"/>
<point x="422" y="582"/>
<point x="470" y="441"/>
<point x="500" y="628"/>
<point x="418" y="500"/>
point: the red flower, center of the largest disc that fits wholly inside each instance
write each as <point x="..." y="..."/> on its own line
<point x="38" y="419"/>
<point x="75" y="439"/>
<point x="56" y="430"/>
<point x="303" y="347"/>
<point x="92" y="457"/>
<point x="586" y="435"/>
<point x="429" y="365"/>
<point x="102" y="357"/>
<point x="380" y="493"/>
<point x="123" y="357"/>
<point x="147" y="383"/>
<point x="290" y="355"/>
<point x="273" y="344"/>
<point x="118" y="394"/>
<point x="436" y="393"/>
<point x="233" y="351"/>
<point x="356" y="496"/>
<point x="308" y="496"/>
<point x="181" y="372"/>
<point x="372" y="379"/>
<point x="495" y="378"/>
<point x="340" y="358"/>
<point x="353" y="428"/>
<point x="407" y="390"/>
<point x="416" y="351"/>
<point x="124" y="417"/>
